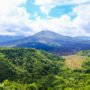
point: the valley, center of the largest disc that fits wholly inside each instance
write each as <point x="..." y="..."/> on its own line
<point x="44" y="44"/>
<point x="44" y="61"/>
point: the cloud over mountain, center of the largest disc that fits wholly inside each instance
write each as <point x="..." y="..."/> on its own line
<point x="15" y="20"/>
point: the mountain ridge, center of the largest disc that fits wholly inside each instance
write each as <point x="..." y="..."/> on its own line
<point x="51" y="42"/>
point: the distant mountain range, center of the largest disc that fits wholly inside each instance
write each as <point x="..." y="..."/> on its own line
<point x="83" y="37"/>
<point x="51" y="42"/>
<point x="6" y="38"/>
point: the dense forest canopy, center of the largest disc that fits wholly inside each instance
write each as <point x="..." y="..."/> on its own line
<point x="31" y="69"/>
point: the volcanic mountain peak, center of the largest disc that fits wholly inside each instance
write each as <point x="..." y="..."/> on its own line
<point x="49" y="35"/>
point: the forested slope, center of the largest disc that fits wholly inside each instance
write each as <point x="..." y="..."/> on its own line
<point x="31" y="69"/>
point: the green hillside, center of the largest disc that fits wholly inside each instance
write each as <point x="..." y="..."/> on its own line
<point x="86" y="63"/>
<point x="31" y="69"/>
<point x="84" y="53"/>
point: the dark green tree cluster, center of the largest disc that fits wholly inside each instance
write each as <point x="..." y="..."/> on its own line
<point x="31" y="69"/>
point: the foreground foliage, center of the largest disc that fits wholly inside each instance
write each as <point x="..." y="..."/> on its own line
<point x="31" y="69"/>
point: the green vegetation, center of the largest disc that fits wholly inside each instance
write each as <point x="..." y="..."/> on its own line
<point x="86" y="63"/>
<point x="31" y="69"/>
<point x="54" y="44"/>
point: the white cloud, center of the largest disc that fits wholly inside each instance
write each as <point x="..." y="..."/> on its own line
<point x="14" y="20"/>
<point x="12" y="17"/>
<point x="65" y="25"/>
<point x="46" y="8"/>
<point x="69" y="2"/>
<point x="43" y="2"/>
<point x="62" y="25"/>
<point x="60" y="2"/>
<point x="47" y="5"/>
<point x="83" y="17"/>
<point x="6" y="5"/>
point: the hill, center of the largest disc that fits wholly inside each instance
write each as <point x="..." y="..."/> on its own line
<point x="23" y="61"/>
<point x="31" y="69"/>
<point x="83" y="37"/>
<point x="51" y="42"/>
<point x="86" y="63"/>
<point x="84" y="53"/>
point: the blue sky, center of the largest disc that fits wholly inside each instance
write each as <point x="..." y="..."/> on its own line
<point x="27" y="17"/>
<point x="55" y="12"/>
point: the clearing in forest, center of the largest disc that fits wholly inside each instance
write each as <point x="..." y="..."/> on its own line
<point x="74" y="61"/>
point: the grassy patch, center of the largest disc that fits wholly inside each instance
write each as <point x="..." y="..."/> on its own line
<point x="74" y="61"/>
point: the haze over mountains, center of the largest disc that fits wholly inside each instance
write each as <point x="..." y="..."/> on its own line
<point x="51" y="42"/>
<point x="6" y="38"/>
<point x="83" y="37"/>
